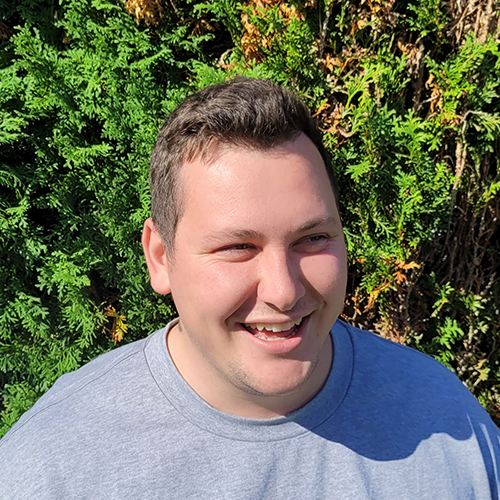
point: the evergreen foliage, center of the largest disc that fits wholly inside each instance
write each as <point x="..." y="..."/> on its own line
<point x="407" y="94"/>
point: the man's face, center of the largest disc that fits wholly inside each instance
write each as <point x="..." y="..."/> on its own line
<point x="258" y="248"/>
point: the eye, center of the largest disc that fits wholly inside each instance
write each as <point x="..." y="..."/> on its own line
<point x="313" y="243"/>
<point x="316" y="238"/>
<point x="238" y="247"/>
<point x="237" y="252"/>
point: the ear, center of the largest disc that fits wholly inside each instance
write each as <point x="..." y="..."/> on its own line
<point x="156" y="258"/>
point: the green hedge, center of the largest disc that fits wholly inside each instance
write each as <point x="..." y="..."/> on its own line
<point x="407" y="94"/>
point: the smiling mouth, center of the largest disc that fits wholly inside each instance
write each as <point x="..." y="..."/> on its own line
<point x="273" y="331"/>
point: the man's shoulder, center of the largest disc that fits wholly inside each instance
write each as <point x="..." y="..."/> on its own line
<point x="398" y="384"/>
<point x="407" y="377"/>
<point x="109" y="410"/>
<point x="401" y="401"/>
<point x="76" y="391"/>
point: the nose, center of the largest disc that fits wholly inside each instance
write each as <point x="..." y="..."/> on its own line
<point x="280" y="285"/>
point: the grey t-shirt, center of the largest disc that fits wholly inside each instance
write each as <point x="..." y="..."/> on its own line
<point x="390" y="423"/>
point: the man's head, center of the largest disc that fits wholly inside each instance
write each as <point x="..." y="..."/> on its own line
<point x="259" y="271"/>
<point x="244" y="113"/>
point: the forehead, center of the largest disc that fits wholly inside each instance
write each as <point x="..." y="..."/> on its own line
<point x="239" y="186"/>
<point x="232" y="162"/>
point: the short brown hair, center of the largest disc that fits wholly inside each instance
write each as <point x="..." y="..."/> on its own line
<point x="244" y="112"/>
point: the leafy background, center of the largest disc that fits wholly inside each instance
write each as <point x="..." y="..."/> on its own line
<point x="406" y="92"/>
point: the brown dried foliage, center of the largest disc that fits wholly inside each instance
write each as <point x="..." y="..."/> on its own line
<point x="331" y="116"/>
<point x="479" y="17"/>
<point x="119" y="325"/>
<point x="379" y="12"/>
<point x="466" y="256"/>
<point x="149" y="11"/>
<point x="5" y="31"/>
<point x="253" y="41"/>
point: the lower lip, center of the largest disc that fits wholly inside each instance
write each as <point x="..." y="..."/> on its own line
<point x="277" y="347"/>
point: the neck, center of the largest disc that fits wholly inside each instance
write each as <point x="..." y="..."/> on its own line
<point x="225" y="396"/>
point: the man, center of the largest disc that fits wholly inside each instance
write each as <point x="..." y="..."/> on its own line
<point x="256" y="391"/>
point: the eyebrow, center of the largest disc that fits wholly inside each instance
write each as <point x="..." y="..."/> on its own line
<point x="250" y="234"/>
<point x="242" y="234"/>
<point x="320" y="221"/>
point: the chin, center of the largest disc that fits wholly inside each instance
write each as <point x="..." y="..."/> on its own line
<point x="288" y="382"/>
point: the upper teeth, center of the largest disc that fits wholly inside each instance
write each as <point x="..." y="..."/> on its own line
<point x="282" y="327"/>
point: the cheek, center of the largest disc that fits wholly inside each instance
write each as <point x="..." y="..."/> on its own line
<point x="327" y="274"/>
<point x="215" y="289"/>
